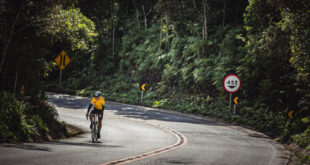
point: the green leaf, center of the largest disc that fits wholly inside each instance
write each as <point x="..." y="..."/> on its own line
<point x="305" y="120"/>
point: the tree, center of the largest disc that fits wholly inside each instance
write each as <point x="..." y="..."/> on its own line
<point x="36" y="28"/>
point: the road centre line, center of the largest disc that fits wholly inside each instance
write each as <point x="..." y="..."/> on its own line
<point x="181" y="141"/>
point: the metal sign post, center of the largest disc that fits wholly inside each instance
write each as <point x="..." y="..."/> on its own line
<point x="60" y="77"/>
<point x="142" y="96"/>
<point x="230" y="103"/>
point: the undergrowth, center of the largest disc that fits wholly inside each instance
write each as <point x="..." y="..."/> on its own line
<point x="31" y="120"/>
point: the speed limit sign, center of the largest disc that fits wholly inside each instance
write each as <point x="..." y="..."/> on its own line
<point x="231" y="83"/>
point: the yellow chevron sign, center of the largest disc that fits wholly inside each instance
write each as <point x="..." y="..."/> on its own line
<point x="62" y="60"/>
<point x="290" y="114"/>
<point x="143" y="87"/>
<point x="236" y="100"/>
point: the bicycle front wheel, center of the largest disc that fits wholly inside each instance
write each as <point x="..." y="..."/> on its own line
<point x="94" y="132"/>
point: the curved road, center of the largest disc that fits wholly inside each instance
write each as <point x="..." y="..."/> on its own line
<point x="139" y="135"/>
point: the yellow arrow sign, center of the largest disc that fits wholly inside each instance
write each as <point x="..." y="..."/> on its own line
<point x="62" y="60"/>
<point x="143" y="87"/>
<point x="290" y="114"/>
<point x="236" y="100"/>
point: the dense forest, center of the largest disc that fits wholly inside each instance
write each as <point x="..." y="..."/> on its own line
<point x="181" y="50"/>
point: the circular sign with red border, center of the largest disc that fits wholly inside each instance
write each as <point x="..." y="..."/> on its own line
<point x="231" y="83"/>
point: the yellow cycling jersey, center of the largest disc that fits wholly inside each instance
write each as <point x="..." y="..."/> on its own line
<point x="98" y="104"/>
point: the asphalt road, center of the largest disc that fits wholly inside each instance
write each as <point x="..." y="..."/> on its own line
<point x="138" y="135"/>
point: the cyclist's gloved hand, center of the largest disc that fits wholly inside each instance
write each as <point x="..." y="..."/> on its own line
<point x="87" y="116"/>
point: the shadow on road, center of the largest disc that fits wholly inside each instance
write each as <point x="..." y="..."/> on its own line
<point x="36" y="147"/>
<point x="28" y="147"/>
<point x="67" y="101"/>
<point x="143" y="113"/>
<point x="86" y="144"/>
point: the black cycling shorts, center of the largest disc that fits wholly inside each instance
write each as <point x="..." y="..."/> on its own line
<point x="99" y="112"/>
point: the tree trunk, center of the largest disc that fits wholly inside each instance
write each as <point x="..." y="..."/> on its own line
<point x="4" y="76"/>
<point x="113" y="37"/>
<point x="194" y="3"/>
<point x="145" y="17"/>
<point x="224" y="12"/>
<point x="137" y="12"/>
<point x="161" y="32"/>
<point x="16" y="78"/>
<point x="205" y="24"/>
<point x="6" y="46"/>
<point x="205" y="20"/>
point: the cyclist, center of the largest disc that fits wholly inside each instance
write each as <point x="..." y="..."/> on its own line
<point x="99" y="104"/>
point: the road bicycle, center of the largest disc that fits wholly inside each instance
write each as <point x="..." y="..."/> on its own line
<point x="94" y="125"/>
<point x="94" y="130"/>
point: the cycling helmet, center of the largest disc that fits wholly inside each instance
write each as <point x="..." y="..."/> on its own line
<point x="97" y="94"/>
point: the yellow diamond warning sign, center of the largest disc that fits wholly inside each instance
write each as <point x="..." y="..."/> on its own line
<point x="62" y="60"/>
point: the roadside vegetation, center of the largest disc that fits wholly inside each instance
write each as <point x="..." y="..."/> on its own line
<point x="33" y="120"/>
<point x="181" y="50"/>
<point x="31" y="33"/>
